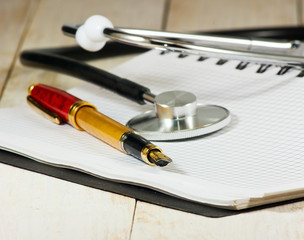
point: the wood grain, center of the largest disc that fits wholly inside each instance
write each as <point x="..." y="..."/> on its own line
<point x="35" y="206"/>
<point x="284" y="222"/>
<point x="194" y="15"/>
<point x="301" y="12"/>
<point x="14" y="16"/>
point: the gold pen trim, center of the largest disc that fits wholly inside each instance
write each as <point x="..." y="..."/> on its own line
<point x="73" y="112"/>
<point x="31" y="87"/>
<point x="122" y="139"/>
<point x="43" y="111"/>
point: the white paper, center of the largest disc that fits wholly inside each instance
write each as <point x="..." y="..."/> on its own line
<point x="259" y="153"/>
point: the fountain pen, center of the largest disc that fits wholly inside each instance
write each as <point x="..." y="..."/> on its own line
<point x="61" y="107"/>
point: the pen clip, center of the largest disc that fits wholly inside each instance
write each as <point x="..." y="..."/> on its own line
<point x="43" y="111"/>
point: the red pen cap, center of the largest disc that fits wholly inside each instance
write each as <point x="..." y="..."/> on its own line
<point x="52" y="99"/>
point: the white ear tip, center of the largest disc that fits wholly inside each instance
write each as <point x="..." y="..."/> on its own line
<point x="94" y="27"/>
<point x="86" y="43"/>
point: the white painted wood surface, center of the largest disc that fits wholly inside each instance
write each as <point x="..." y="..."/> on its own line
<point x="14" y="18"/>
<point x="284" y="222"/>
<point x="194" y="15"/>
<point x="35" y="206"/>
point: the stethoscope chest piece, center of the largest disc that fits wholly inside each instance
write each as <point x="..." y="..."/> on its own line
<point x="178" y="116"/>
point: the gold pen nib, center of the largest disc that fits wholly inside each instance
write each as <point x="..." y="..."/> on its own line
<point x="158" y="158"/>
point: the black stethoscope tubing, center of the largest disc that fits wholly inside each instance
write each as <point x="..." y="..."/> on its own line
<point x="66" y="60"/>
<point x="56" y="60"/>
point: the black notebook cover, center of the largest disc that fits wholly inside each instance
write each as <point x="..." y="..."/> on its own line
<point x="137" y="192"/>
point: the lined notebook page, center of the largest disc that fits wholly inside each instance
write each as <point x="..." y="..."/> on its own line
<point x="260" y="153"/>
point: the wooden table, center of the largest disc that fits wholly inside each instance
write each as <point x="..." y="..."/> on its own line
<point x="35" y="206"/>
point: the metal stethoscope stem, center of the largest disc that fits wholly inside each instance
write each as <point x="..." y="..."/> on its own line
<point x="281" y="53"/>
<point x="149" y="97"/>
<point x="93" y="34"/>
<point x="148" y="38"/>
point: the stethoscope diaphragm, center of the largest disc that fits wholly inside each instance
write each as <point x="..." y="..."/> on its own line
<point x="178" y="116"/>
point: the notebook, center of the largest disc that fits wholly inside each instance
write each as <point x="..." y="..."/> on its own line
<point x="257" y="159"/>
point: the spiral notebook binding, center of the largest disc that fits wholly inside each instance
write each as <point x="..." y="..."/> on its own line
<point x="283" y="70"/>
<point x="201" y="58"/>
<point x="181" y="55"/>
<point x="242" y="65"/>
<point x="301" y="74"/>
<point x="263" y="68"/>
<point x="221" y="61"/>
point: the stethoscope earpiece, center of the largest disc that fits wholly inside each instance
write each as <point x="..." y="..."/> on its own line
<point x="178" y="116"/>
<point x="90" y="35"/>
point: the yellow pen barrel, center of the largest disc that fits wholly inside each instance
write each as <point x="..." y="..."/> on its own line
<point x="84" y="116"/>
<point x="101" y="126"/>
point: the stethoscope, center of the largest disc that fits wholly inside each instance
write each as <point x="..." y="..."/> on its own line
<point x="176" y="114"/>
<point x="97" y="30"/>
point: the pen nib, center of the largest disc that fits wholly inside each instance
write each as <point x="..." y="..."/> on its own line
<point x="158" y="158"/>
